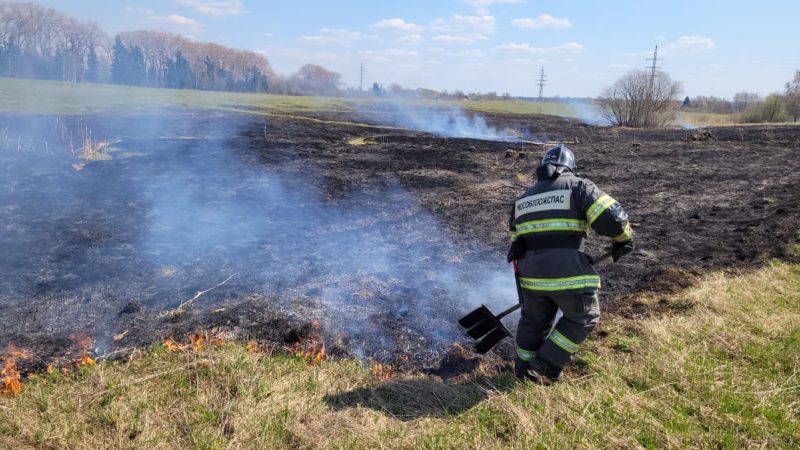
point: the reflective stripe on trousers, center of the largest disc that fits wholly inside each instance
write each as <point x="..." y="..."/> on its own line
<point x="560" y="284"/>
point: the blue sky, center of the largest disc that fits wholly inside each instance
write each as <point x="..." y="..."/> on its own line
<point x="713" y="47"/>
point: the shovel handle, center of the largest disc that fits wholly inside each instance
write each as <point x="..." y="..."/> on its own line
<point x="602" y="257"/>
<point x="509" y="310"/>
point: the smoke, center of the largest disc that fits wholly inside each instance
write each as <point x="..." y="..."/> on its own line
<point x="683" y="123"/>
<point x="450" y="121"/>
<point x="370" y="260"/>
<point x="372" y="266"/>
<point x="588" y="112"/>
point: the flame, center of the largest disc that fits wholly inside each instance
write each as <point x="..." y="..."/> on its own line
<point x="83" y="342"/>
<point x="198" y="340"/>
<point x="85" y="361"/>
<point x="252" y="346"/>
<point x="10" y="384"/>
<point x="382" y="371"/>
<point x="311" y="350"/>
<point x="170" y="345"/>
<point x="312" y="353"/>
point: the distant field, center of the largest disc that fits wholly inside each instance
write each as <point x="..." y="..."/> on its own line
<point x="519" y="107"/>
<point x="51" y="97"/>
<point x="719" y="120"/>
<point x="707" y="119"/>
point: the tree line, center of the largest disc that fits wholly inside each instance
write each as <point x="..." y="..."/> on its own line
<point x="160" y="59"/>
<point x="641" y="99"/>
<point x="752" y="107"/>
<point x="43" y="43"/>
<point x="39" y="42"/>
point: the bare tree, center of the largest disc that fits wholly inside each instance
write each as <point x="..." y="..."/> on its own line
<point x="315" y="80"/>
<point x="215" y="67"/>
<point x="741" y="100"/>
<point x="792" y="97"/>
<point x="639" y="100"/>
<point x="39" y="42"/>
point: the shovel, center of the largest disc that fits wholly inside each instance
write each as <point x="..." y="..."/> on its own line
<point x="487" y="328"/>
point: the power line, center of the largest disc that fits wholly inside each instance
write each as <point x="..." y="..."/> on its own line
<point x="361" y="82"/>
<point x="541" y="83"/>
<point x="654" y="66"/>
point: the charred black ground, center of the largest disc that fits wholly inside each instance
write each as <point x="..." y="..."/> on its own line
<point x="104" y="251"/>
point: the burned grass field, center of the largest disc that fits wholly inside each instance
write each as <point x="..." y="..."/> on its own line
<point x="340" y="230"/>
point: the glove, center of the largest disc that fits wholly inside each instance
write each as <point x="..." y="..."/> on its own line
<point x="517" y="250"/>
<point x="620" y="249"/>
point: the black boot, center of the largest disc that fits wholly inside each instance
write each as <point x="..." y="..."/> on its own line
<point x="542" y="373"/>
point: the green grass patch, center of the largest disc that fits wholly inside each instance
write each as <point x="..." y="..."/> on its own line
<point x="708" y="119"/>
<point x="53" y="97"/>
<point x="723" y="374"/>
<point x="519" y="107"/>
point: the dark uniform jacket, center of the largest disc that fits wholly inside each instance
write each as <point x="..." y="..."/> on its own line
<point x="553" y="219"/>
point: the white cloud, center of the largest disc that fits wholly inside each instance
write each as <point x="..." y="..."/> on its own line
<point x="460" y="38"/>
<point x="145" y="11"/>
<point x="398" y="25"/>
<point x="176" y="20"/>
<point x="216" y="8"/>
<point x="411" y="39"/>
<point x="543" y="21"/>
<point x="526" y="48"/>
<point x="482" y="6"/>
<point x="691" y="44"/>
<point x="179" y="20"/>
<point x="332" y="36"/>
<point x="465" y="24"/>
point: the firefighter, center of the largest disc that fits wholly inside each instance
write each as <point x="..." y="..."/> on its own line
<point x="548" y="226"/>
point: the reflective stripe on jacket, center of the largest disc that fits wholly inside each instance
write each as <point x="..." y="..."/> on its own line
<point x="553" y="218"/>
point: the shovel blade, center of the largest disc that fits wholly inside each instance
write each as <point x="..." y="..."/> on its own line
<point x="492" y="339"/>
<point x="484" y="327"/>
<point x="477" y="316"/>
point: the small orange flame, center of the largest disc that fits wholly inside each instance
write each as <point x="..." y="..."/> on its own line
<point x="252" y="346"/>
<point x="83" y="342"/>
<point x="382" y="371"/>
<point x="312" y="353"/>
<point x="10" y="384"/>
<point x="85" y="361"/>
<point x="198" y="340"/>
<point x="170" y="345"/>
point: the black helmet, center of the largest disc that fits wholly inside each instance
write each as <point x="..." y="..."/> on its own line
<point x="560" y="155"/>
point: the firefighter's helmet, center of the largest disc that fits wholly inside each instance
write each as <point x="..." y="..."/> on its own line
<point x="560" y="155"/>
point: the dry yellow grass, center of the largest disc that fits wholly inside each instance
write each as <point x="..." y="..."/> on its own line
<point x="719" y="370"/>
<point x="360" y="140"/>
